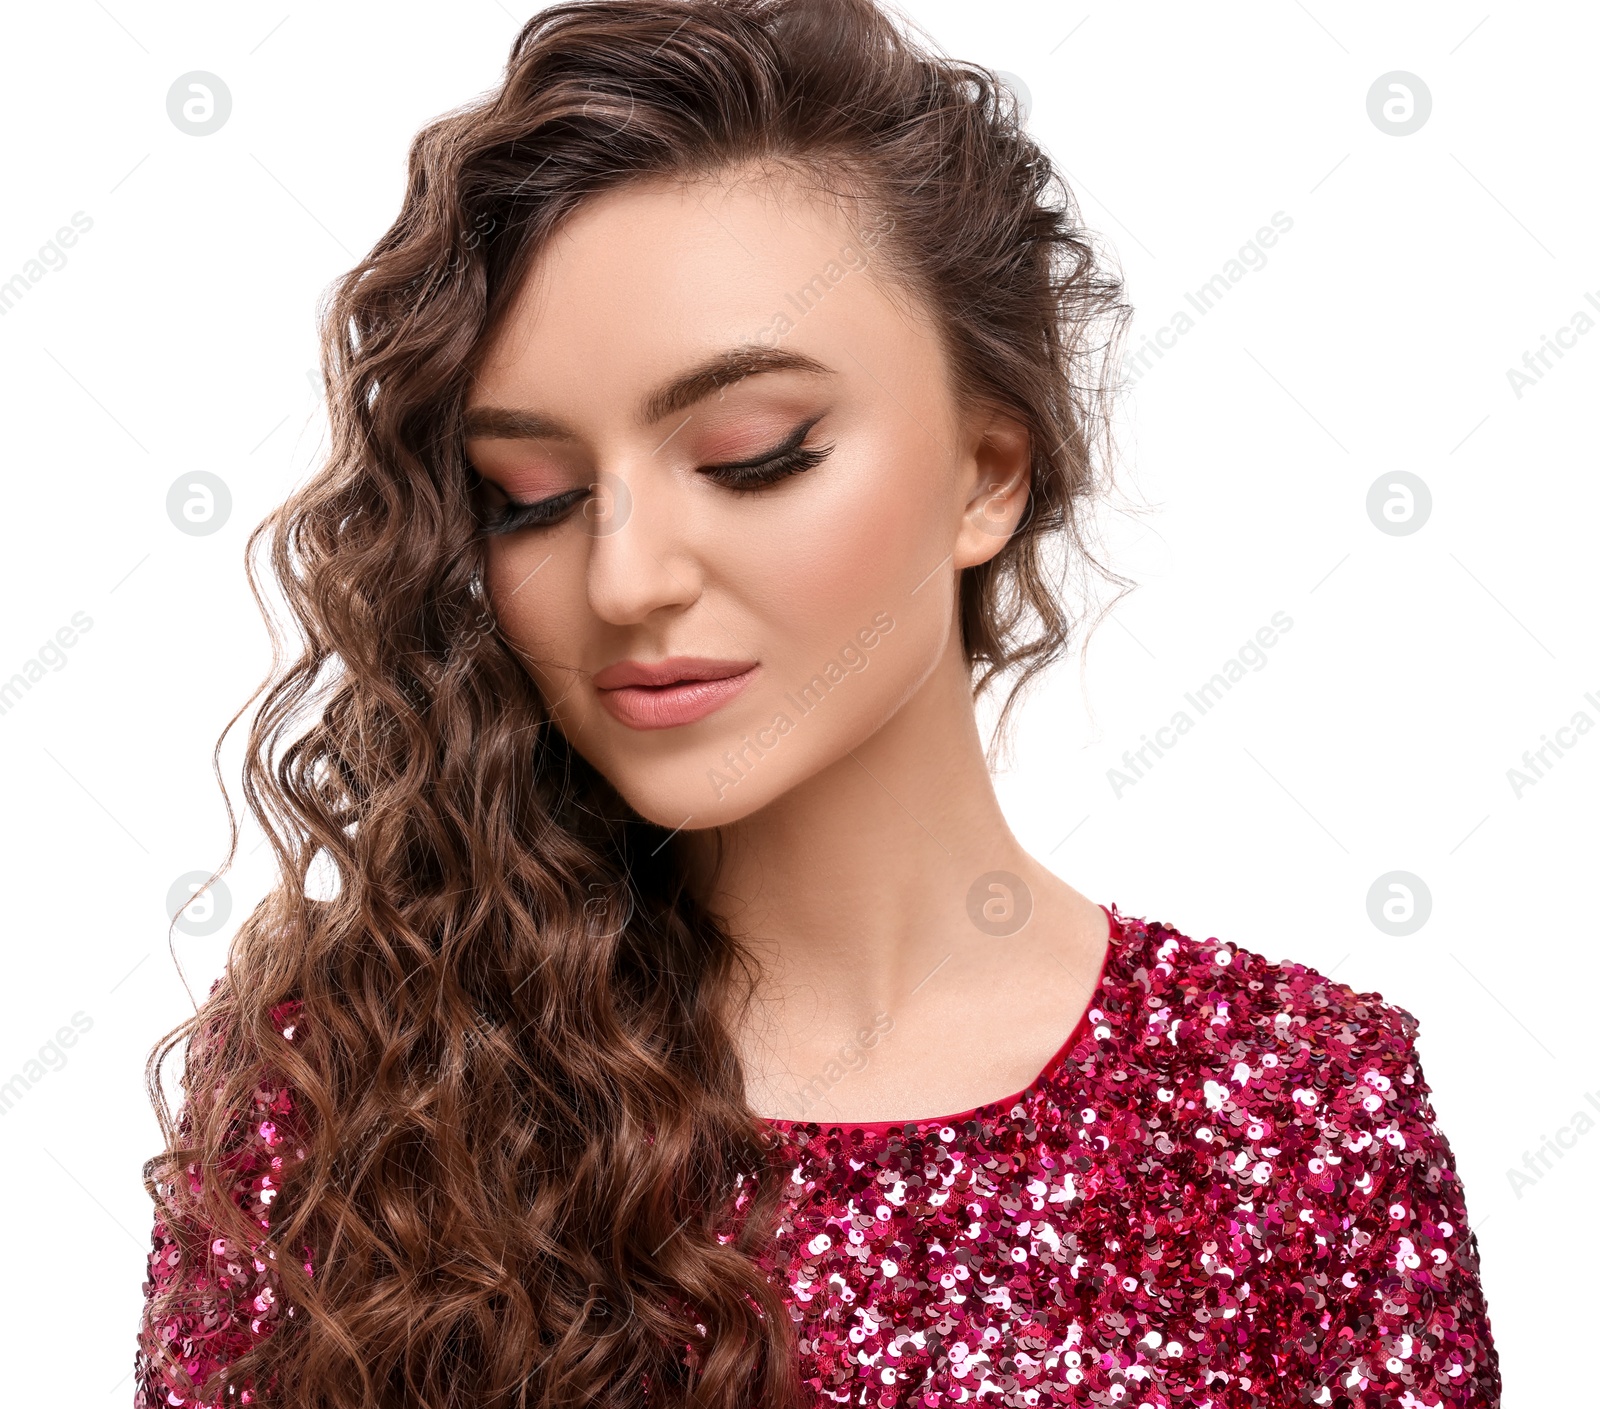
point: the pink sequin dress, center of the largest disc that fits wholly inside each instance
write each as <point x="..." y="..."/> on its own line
<point x="1227" y="1189"/>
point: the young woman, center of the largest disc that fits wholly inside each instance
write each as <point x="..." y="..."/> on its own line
<point x="677" y="1021"/>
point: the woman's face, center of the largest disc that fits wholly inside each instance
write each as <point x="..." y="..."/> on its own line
<point x="753" y="490"/>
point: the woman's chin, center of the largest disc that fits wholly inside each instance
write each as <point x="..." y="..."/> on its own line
<point x="696" y="802"/>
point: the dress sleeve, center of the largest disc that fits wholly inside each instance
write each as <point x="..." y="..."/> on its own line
<point x="208" y="1300"/>
<point x="1403" y="1319"/>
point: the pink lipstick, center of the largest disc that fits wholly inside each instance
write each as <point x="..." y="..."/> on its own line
<point x="664" y="694"/>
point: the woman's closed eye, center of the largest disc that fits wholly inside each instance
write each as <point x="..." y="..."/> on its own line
<point x="509" y="516"/>
<point x="792" y="457"/>
<point x="755" y="472"/>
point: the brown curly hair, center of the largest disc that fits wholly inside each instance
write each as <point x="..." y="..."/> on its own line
<point x="523" y="1114"/>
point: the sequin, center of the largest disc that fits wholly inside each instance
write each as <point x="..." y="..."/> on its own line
<point x="1228" y="1191"/>
<point x="230" y="1296"/>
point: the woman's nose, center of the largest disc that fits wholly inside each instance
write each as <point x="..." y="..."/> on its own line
<point x="639" y="558"/>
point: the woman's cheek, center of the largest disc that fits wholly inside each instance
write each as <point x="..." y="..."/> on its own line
<point x="857" y="581"/>
<point x="536" y="611"/>
<point x="854" y="535"/>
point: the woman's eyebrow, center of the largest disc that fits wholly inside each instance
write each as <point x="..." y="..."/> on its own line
<point x="721" y="371"/>
<point x="682" y="392"/>
<point x="507" y="423"/>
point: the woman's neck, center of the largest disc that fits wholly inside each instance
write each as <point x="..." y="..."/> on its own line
<point x="855" y="893"/>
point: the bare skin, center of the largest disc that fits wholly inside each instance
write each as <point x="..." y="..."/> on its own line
<point x="854" y="820"/>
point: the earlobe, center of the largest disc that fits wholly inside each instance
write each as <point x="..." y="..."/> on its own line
<point x="997" y="490"/>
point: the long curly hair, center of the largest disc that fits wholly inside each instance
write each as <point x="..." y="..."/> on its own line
<point x="531" y="1176"/>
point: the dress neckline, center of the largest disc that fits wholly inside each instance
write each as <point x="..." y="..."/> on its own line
<point x="1080" y="1028"/>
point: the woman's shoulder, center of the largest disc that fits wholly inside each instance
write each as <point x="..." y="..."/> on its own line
<point x="1302" y="1105"/>
<point x="1267" y="1068"/>
<point x="1236" y="1037"/>
<point x="1214" y="995"/>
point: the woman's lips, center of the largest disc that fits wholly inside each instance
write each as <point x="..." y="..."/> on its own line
<point x="672" y="692"/>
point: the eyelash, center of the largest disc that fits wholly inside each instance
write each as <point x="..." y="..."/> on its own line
<point x="741" y="476"/>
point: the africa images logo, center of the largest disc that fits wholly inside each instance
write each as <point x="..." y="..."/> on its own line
<point x="850" y="659"/>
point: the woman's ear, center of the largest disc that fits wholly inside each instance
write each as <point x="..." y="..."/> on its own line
<point x="996" y="483"/>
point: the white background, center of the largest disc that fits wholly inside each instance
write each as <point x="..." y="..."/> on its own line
<point x="179" y="334"/>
